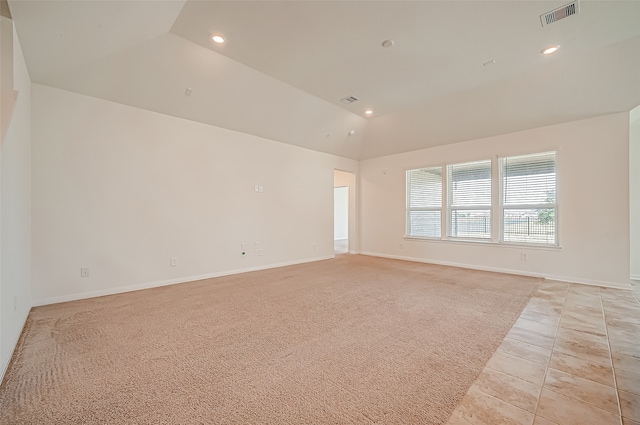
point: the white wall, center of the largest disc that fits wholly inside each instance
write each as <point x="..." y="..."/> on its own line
<point x="121" y="190"/>
<point x="593" y="175"/>
<point x="341" y="213"/>
<point x="349" y="179"/>
<point x="15" y="215"/>
<point x="634" y="191"/>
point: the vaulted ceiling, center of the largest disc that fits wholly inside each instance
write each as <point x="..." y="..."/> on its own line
<point x="458" y="70"/>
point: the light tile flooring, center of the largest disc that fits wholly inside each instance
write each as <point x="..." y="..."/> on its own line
<point x="573" y="357"/>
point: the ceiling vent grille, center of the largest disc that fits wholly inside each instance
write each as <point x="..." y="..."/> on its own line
<point x="349" y="100"/>
<point x="565" y="11"/>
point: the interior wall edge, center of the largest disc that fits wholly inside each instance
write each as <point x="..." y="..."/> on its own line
<point x="14" y="344"/>
<point x="15" y="195"/>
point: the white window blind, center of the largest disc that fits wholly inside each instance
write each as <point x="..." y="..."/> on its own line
<point x="469" y="200"/>
<point x="424" y="202"/>
<point x="529" y="206"/>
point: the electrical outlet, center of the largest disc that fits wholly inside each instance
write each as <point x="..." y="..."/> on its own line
<point x="173" y="262"/>
<point x="84" y="272"/>
<point x="523" y="256"/>
<point x="314" y="246"/>
<point x="400" y="246"/>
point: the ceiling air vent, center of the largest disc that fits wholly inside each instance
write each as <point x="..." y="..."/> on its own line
<point x="349" y="99"/>
<point x="565" y="11"/>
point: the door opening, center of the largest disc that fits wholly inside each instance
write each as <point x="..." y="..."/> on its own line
<point x="341" y="220"/>
<point x="345" y="225"/>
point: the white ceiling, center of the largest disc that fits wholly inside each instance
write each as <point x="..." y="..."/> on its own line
<point x="287" y="64"/>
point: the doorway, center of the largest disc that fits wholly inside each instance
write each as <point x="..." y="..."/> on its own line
<point x="341" y="219"/>
<point x="345" y="228"/>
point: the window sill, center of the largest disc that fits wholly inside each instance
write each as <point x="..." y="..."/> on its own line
<point x="477" y="242"/>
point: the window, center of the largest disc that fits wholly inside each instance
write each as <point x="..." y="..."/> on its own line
<point x="424" y="202"/>
<point x="504" y="199"/>
<point x="529" y="207"/>
<point x="469" y="200"/>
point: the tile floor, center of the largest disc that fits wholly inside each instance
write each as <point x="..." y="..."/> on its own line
<point x="573" y="357"/>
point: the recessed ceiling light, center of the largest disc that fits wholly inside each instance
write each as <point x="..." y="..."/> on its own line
<point x="388" y="43"/>
<point x="217" y="38"/>
<point x="368" y="112"/>
<point x="550" y="50"/>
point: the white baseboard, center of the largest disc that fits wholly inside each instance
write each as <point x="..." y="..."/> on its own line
<point x="454" y="264"/>
<point x="591" y="282"/>
<point x="569" y="279"/>
<point x="7" y="360"/>
<point x="635" y="277"/>
<point x="148" y="285"/>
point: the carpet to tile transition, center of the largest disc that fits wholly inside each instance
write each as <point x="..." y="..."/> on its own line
<point x="346" y="341"/>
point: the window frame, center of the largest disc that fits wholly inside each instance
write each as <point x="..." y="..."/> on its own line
<point x="474" y="207"/>
<point x="528" y="206"/>
<point x="409" y="209"/>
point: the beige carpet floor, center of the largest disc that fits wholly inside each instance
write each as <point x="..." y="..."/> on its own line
<point x="355" y="340"/>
